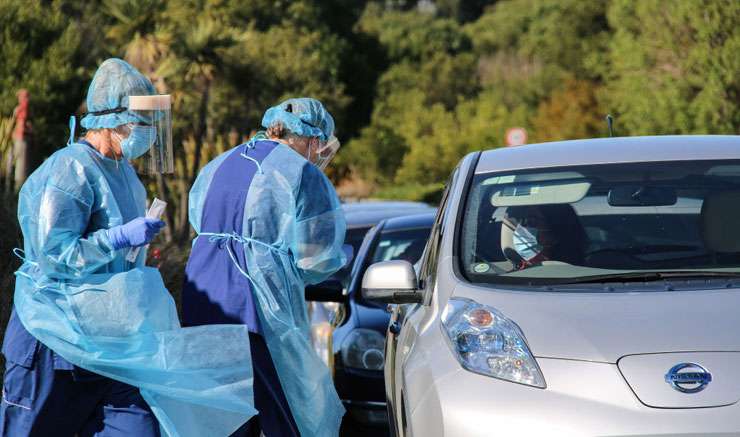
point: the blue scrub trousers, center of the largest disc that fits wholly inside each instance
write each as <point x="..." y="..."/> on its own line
<point x="41" y="401"/>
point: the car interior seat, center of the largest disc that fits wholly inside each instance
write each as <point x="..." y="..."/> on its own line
<point x="718" y="219"/>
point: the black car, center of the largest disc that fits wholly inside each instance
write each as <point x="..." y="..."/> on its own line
<point x="358" y="343"/>
<point x="361" y="216"/>
<point x="330" y="303"/>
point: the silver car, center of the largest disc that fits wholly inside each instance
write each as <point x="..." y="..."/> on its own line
<point x="574" y="288"/>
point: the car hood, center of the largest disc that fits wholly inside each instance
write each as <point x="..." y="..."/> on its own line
<point x="606" y="326"/>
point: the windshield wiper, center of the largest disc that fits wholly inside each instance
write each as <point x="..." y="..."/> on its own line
<point x="652" y="276"/>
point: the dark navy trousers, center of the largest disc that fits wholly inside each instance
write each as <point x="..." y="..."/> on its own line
<point x="45" y="396"/>
<point x="274" y="418"/>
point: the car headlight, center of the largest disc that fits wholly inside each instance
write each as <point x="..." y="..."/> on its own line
<point x="364" y="349"/>
<point x="321" y="332"/>
<point x="321" y="340"/>
<point x="486" y="342"/>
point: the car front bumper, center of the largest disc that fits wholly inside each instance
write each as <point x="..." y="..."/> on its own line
<point x="367" y="413"/>
<point x="581" y="399"/>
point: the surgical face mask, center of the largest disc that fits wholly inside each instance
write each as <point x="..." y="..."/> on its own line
<point x="156" y="113"/>
<point x="525" y="242"/>
<point x="138" y="142"/>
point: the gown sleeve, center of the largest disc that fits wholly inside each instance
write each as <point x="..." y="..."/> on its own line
<point x="320" y="227"/>
<point x="59" y="236"/>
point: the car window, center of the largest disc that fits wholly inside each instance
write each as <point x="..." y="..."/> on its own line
<point x="564" y="225"/>
<point x="429" y="262"/>
<point x="405" y="244"/>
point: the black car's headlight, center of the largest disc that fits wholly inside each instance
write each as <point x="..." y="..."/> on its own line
<point x="364" y="349"/>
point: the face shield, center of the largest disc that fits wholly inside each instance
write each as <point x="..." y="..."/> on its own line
<point x="525" y="242"/>
<point x="325" y="152"/>
<point x="155" y="113"/>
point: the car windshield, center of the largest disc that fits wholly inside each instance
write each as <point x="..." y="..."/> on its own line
<point x="405" y="244"/>
<point x="600" y="223"/>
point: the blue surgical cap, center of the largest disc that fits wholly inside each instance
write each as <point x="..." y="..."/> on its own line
<point x="303" y="116"/>
<point x="107" y="97"/>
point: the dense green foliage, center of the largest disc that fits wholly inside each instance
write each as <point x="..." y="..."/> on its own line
<point x="414" y="85"/>
<point x="555" y="68"/>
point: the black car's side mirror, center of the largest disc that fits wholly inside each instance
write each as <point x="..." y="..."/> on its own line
<point x="391" y="282"/>
<point x="330" y="290"/>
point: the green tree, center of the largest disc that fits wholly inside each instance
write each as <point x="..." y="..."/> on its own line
<point x="570" y="34"/>
<point x="462" y="10"/>
<point x="674" y="70"/>
<point x="412" y="36"/>
<point x="431" y="72"/>
<point x="569" y="113"/>
<point x="43" y="49"/>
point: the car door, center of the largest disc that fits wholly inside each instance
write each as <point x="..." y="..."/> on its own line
<point x="403" y="325"/>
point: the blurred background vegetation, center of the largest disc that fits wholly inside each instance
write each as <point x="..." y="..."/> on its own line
<point x="414" y="85"/>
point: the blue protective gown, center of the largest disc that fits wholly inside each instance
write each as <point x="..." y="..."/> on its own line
<point x="37" y="400"/>
<point x="81" y="298"/>
<point x="215" y="290"/>
<point x="268" y="223"/>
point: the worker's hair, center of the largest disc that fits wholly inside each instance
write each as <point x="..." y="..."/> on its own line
<point x="277" y="130"/>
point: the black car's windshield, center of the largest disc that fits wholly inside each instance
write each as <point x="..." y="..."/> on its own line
<point x="353" y="238"/>
<point x="406" y="244"/>
<point x="603" y="222"/>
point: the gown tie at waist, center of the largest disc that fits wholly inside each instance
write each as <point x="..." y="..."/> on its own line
<point x="223" y="237"/>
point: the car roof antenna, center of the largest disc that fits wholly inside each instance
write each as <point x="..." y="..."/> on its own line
<point x="610" y="124"/>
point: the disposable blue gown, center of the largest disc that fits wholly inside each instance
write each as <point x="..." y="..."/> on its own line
<point x="83" y="300"/>
<point x="292" y="234"/>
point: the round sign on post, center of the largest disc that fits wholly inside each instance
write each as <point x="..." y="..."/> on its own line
<point x="516" y="136"/>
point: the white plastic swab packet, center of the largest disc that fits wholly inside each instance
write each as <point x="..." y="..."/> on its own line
<point x="156" y="210"/>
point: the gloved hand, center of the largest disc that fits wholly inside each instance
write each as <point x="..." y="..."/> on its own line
<point x="137" y="232"/>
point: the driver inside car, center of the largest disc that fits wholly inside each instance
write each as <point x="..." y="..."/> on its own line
<point x="527" y="238"/>
<point x="534" y="235"/>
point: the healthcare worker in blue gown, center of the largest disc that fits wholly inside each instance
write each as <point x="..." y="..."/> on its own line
<point x="269" y="222"/>
<point x="94" y="345"/>
<point x="43" y="394"/>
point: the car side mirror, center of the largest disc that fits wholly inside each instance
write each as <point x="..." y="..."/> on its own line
<point x="391" y="282"/>
<point x="330" y="290"/>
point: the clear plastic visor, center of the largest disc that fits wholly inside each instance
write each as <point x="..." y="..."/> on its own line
<point x="156" y="111"/>
<point x="326" y="151"/>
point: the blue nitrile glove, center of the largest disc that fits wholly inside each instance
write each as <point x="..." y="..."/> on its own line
<point x="137" y="232"/>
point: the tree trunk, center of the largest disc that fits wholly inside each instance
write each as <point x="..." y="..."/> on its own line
<point x="9" y="169"/>
<point x="20" y="150"/>
<point x="182" y="223"/>
<point x="202" y="128"/>
<point x="199" y="139"/>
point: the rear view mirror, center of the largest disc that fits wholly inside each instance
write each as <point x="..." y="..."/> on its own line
<point x="642" y="195"/>
<point x="391" y="282"/>
<point x="330" y="290"/>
